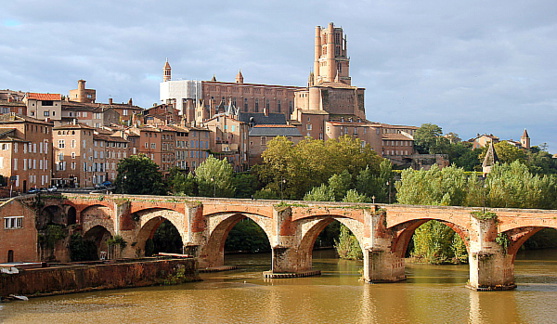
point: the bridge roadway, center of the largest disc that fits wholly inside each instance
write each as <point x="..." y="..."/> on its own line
<point x="383" y="231"/>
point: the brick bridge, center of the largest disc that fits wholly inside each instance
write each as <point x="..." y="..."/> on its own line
<point x="383" y="231"/>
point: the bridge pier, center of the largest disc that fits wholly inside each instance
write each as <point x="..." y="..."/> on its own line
<point x="383" y="266"/>
<point x="381" y="263"/>
<point x="491" y="268"/>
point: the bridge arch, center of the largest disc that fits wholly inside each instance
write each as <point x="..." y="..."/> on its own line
<point x="513" y="239"/>
<point x="150" y="220"/>
<point x="311" y="228"/>
<point x="97" y="215"/>
<point x="219" y="226"/>
<point x="99" y="235"/>
<point x="404" y="232"/>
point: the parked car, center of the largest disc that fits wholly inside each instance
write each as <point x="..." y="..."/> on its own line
<point x="52" y="189"/>
<point x="33" y="191"/>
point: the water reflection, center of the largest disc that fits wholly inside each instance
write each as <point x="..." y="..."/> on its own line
<point x="431" y="294"/>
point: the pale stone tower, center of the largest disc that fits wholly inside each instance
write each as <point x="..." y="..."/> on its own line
<point x="167" y="72"/>
<point x="239" y="77"/>
<point x="525" y="140"/>
<point x="331" y="61"/>
<point x="490" y="159"/>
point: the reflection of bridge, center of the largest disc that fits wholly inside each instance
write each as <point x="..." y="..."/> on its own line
<point x="292" y="227"/>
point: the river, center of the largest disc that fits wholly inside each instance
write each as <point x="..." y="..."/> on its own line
<point x="431" y="294"/>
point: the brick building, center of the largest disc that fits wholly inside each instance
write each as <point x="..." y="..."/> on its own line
<point x="25" y="152"/>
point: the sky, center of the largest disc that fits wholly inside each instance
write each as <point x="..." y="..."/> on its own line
<point x="471" y="67"/>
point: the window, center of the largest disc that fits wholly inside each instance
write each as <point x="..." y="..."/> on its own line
<point x="308" y="126"/>
<point x="61" y="144"/>
<point x="13" y="222"/>
<point x="46" y="113"/>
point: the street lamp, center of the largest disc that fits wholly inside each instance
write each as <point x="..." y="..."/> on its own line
<point x="373" y="199"/>
<point x="283" y="181"/>
<point x="389" y="190"/>
<point x="214" y="187"/>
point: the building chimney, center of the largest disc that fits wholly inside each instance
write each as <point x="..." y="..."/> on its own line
<point x="110" y="101"/>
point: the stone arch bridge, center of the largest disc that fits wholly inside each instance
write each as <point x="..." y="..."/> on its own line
<point x="383" y="231"/>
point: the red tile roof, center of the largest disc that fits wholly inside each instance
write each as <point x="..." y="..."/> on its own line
<point x="44" y="96"/>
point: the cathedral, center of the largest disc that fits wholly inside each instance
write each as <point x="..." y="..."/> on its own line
<point x="328" y="107"/>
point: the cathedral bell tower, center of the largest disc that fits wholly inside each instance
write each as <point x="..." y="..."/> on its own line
<point x="331" y="61"/>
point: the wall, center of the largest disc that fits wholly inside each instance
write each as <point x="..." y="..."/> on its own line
<point x="52" y="281"/>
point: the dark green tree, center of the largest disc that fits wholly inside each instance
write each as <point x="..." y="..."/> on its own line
<point x="427" y="138"/>
<point x="247" y="236"/>
<point x="246" y="184"/>
<point x="167" y="239"/>
<point x="139" y="175"/>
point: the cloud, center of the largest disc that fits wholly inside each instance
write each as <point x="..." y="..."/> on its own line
<point x="471" y="67"/>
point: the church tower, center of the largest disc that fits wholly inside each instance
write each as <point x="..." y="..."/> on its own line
<point x="525" y="140"/>
<point x="239" y="77"/>
<point x="331" y="61"/>
<point x="167" y="72"/>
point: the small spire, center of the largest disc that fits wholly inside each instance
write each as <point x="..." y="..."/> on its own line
<point x="490" y="159"/>
<point x="239" y="77"/>
<point x="214" y="78"/>
<point x="167" y="71"/>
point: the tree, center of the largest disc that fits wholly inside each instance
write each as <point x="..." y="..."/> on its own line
<point x="339" y="184"/>
<point x="295" y="169"/>
<point x="139" y="175"/>
<point x="446" y="187"/>
<point x="182" y="184"/>
<point x="246" y="184"/>
<point x="214" y="178"/>
<point x="247" y="236"/>
<point x="321" y="193"/>
<point x="426" y="137"/>
<point x="514" y="186"/>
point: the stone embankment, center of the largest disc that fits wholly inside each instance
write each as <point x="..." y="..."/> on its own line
<point x="87" y="277"/>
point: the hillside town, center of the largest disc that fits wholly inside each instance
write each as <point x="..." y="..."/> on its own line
<point x="74" y="141"/>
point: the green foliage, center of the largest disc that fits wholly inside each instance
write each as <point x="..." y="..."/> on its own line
<point x="181" y="183"/>
<point x="166" y="239"/>
<point x="347" y="245"/>
<point x="246" y="184"/>
<point x="427" y="138"/>
<point x="339" y="184"/>
<point x="139" y="175"/>
<point x="117" y="240"/>
<point x="484" y="215"/>
<point x="544" y="239"/>
<point x="437" y="243"/>
<point x="503" y="240"/>
<point x="514" y="186"/>
<point x="52" y="234"/>
<point x="445" y="187"/>
<point x="310" y="163"/>
<point x="247" y="236"/>
<point x="321" y="193"/>
<point x="328" y="236"/>
<point x="81" y="249"/>
<point x="353" y="196"/>
<point x="214" y="178"/>
<point x="266" y="193"/>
